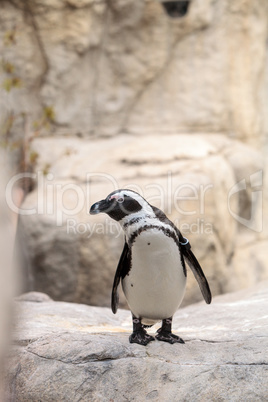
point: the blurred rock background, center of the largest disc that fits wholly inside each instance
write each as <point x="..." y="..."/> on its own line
<point x="168" y="99"/>
<point x="9" y="276"/>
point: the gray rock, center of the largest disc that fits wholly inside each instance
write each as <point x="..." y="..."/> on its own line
<point x="71" y="352"/>
<point x="124" y="66"/>
<point x="73" y="256"/>
<point x="37" y="297"/>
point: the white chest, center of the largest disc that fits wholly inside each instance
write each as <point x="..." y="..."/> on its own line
<point x="155" y="285"/>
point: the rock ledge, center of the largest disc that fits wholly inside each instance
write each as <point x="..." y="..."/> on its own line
<point x="72" y="352"/>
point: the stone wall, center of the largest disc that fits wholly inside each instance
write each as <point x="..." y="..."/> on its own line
<point x="108" y="67"/>
<point x="159" y="103"/>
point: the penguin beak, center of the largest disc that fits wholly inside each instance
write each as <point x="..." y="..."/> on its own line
<point x="98" y="207"/>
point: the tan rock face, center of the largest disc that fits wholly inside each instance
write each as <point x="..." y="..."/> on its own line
<point x="65" y="351"/>
<point x="126" y="70"/>
<point x="128" y="66"/>
<point x="73" y="256"/>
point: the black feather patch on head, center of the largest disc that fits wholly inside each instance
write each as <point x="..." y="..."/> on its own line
<point x="127" y="206"/>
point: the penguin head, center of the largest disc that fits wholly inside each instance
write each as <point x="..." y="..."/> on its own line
<point x="120" y="204"/>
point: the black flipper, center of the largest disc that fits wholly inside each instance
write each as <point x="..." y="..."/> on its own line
<point x="191" y="260"/>
<point x="198" y="273"/>
<point x="121" y="271"/>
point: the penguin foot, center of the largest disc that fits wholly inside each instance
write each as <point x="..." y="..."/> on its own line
<point x="141" y="337"/>
<point x="166" y="336"/>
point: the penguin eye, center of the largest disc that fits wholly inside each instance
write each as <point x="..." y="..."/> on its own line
<point x="120" y="200"/>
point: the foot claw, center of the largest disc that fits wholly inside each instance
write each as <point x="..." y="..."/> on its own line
<point x="141" y="337"/>
<point x="168" y="337"/>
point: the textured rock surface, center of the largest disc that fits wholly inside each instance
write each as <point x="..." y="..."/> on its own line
<point x="110" y="67"/>
<point x="127" y="70"/>
<point x="8" y="275"/>
<point x="76" y="260"/>
<point x="74" y="352"/>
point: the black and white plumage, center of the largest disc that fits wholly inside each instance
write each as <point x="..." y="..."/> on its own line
<point x="152" y="265"/>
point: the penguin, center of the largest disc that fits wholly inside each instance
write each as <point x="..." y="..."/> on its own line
<point x="152" y="265"/>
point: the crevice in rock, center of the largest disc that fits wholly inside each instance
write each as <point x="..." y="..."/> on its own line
<point x="204" y="364"/>
<point x="49" y="358"/>
<point x="209" y="341"/>
<point x="134" y="162"/>
<point x="212" y="365"/>
<point x="245" y="364"/>
<point x="90" y="359"/>
<point x="176" y="9"/>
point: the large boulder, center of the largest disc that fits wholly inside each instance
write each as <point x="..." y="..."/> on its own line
<point x="73" y="256"/>
<point x="72" y="352"/>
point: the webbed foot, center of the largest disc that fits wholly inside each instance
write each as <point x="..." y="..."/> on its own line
<point x="164" y="333"/>
<point x="139" y="334"/>
<point x="141" y="337"/>
<point x="168" y="337"/>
